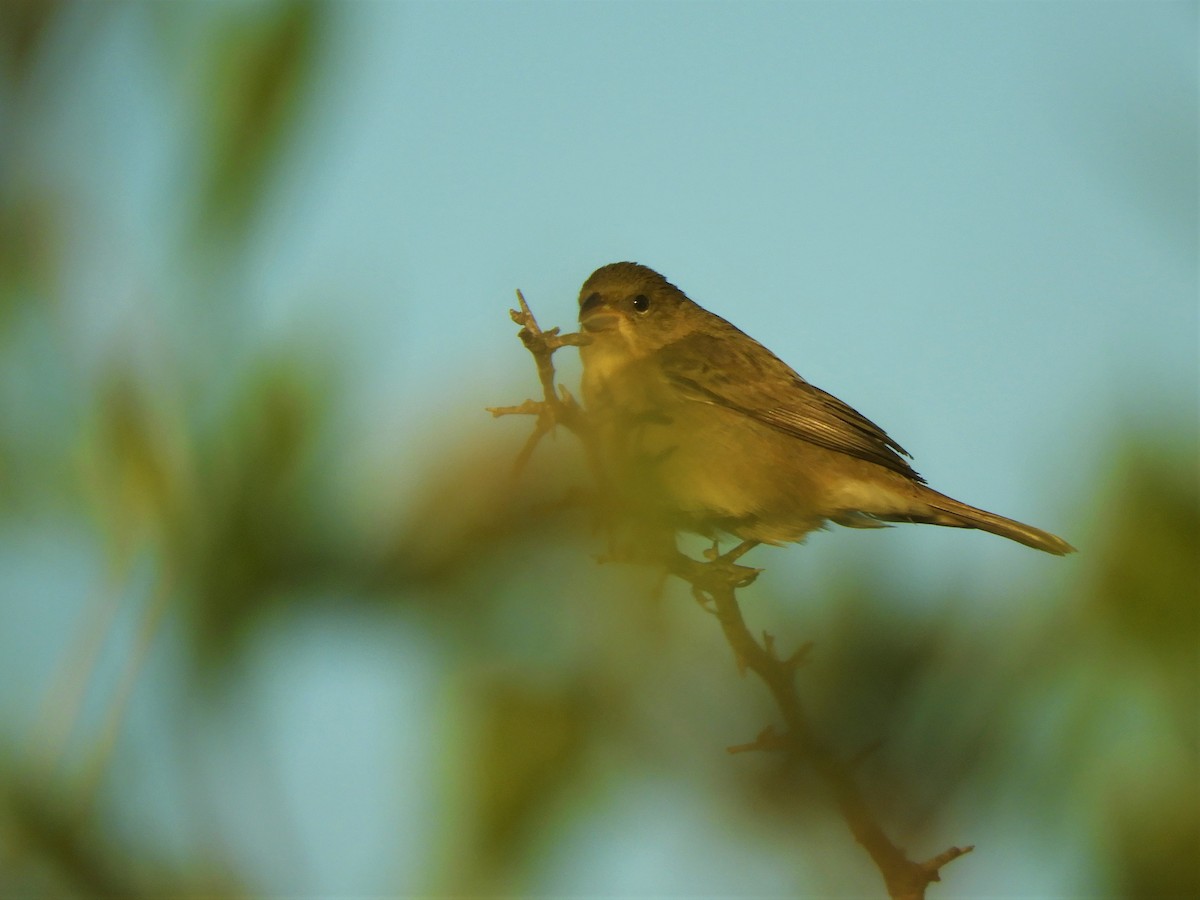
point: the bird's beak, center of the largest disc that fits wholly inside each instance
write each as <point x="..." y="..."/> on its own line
<point x="595" y="315"/>
<point x="598" y="321"/>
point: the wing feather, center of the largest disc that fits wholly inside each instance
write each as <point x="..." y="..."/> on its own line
<point x="744" y="376"/>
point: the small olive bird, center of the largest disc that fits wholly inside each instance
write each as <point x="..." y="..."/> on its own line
<point x="703" y="429"/>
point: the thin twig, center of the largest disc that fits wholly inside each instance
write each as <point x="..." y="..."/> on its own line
<point x="556" y="407"/>
<point x="718" y="581"/>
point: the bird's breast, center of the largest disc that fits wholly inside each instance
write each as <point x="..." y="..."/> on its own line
<point x="612" y="372"/>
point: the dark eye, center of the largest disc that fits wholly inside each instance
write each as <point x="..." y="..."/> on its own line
<point x="641" y="303"/>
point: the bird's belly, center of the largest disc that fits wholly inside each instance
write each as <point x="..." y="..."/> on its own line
<point x="719" y="470"/>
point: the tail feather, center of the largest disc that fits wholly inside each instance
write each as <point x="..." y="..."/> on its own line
<point x="952" y="513"/>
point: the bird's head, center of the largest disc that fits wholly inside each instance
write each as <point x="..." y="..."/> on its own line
<point x="633" y="306"/>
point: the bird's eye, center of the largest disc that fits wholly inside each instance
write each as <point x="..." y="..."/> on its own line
<point x="641" y="303"/>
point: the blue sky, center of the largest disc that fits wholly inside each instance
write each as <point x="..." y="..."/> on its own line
<point x="975" y="222"/>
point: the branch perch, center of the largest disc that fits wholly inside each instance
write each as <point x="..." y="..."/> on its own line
<point x="714" y="584"/>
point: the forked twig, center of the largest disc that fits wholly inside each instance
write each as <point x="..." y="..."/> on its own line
<point x="556" y="407"/>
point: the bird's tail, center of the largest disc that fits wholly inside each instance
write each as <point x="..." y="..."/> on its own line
<point x="954" y="514"/>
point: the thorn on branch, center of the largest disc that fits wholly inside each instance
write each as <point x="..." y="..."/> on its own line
<point x="528" y="408"/>
<point x="933" y="866"/>
<point x="705" y="601"/>
<point x="793" y="661"/>
<point x="798" y="657"/>
<point x="767" y="739"/>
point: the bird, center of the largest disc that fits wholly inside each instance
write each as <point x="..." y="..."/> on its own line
<point x="698" y="427"/>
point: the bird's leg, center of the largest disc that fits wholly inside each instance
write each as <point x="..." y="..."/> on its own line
<point x="721" y="572"/>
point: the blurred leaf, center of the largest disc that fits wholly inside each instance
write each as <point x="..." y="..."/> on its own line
<point x="471" y="512"/>
<point x="529" y="747"/>
<point x="1147" y="579"/>
<point x="1155" y="845"/>
<point x="259" y="70"/>
<point x="259" y="514"/>
<point x="29" y="251"/>
<point x="23" y="23"/>
<point x="1146" y="588"/>
<point x="52" y="852"/>
<point x="137" y="470"/>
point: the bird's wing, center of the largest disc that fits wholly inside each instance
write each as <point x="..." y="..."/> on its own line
<point x="744" y="376"/>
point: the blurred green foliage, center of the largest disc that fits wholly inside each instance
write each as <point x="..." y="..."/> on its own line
<point x="22" y="24"/>
<point x="260" y="70"/>
<point x="1153" y="507"/>
<point x="568" y="674"/>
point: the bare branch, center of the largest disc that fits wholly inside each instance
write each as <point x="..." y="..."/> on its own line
<point x="717" y="581"/>
<point x="714" y="584"/>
